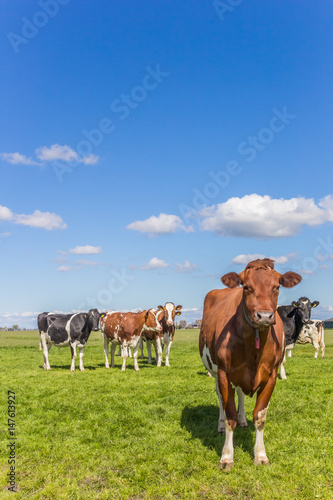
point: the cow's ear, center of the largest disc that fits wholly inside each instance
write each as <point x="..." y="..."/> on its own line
<point x="178" y="313"/>
<point x="315" y="303"/>
<point x="231" y="280"/>
<point x="294" y="303"/>
<point x="178" y="308"/>
<point x="160" y="308"/>
<point x="290" y="279"/>
<point x="85" y="315"/>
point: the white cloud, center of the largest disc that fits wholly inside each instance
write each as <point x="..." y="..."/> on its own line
<point x="245" y="259"/>
<point x="87" y="263"/>
<point x="154" y="263"/>
<point x="256" y="216"/>
<point x="65" y="153"/>
<point x="86" y="250"/>
<point x="18" y="159"/>
<point x="65" y="269"/>
<point x="163" y="224"/>
<point x="56" y="152"/>
<point x="44" y="220"/>
<point x="6" y="213"/>
<point x="5" y="234"/>
<point x="187" y="267"/>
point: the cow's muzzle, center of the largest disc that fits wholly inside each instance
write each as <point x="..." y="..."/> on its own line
<point x="264" y="318"/>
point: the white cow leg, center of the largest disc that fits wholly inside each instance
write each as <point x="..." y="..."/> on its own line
<point x="289" y="353"/>
<point x="260" y="456"/>
<point x="282" y="370"/>
<point x="46" y="348"/>
<point x="113" y="350"/>
<point x="316" y="346"/>
<point x="167" y="352"/>
<point x="125" y="356"/>
<point x="106" y="350"/>
<point x="221" y="423"/>
<point x="135" y="357"/>
<point x="73" y="351"/>
<point x="242" y="422"/>
<point x="227" y="458"/>
<point x="158" y="348"/>
<point x="81" y="351"/>
<point x="149" y="352"/>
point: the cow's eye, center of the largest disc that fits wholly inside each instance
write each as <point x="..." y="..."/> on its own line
<point x="247" y="289"/>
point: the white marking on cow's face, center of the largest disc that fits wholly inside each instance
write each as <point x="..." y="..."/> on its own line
<point x="208" y="362"/>
<point x="169" y="307"/>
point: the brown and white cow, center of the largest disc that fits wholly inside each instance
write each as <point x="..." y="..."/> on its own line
<point x="168" y="323"/>
<point x="242" y="344"/>
<point x="125" y="329"/>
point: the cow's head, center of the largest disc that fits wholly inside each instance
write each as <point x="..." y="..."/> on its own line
<point x="170" y="311"/>
<point x="153" y="320"/>
<point x="261" y="285"/>
<point x="303" y="308"/>
<point x="93" y="318"/>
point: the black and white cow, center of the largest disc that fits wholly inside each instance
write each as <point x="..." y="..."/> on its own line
<point x="313" y="333"/>
<point x="67" y="329"/>
<point x="294" y="317"/>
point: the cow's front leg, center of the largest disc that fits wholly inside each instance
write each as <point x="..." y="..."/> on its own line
<point x="81" y="353"/>
<point x="158" y="349"/>
<point x="167" y="352"/>
<point x="46" y="348"/>
<point x="148" y="342"/>
<point x="259" y="420"/>
<point x="73" y="352"/>
<point x="106" y="350"/>
<point x="141" y="348"/>
<point x="228" y="396"/>
<point x="135" y="357"/>
<point x="113" y="350"/>
<point x="125" y="356"/>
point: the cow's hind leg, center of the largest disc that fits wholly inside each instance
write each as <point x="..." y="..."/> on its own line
<point x="221" y="422"/>
<point x="158" y="349"/>
<point x="242" y="422"/>
<point x="282" y="369"/>
<point x="81" y="353"/>
<point x="228" y="396"/>
<point x="125" y="356"/>
<point x="167" y="352"/>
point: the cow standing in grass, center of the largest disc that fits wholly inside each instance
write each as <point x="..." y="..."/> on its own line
<point x="313" y="333"/>
<point x="67" y="329"/>
<point x="168" y="323"/>
<point x="125" y="329"/>
<point x="241" y="344"/>
<point x="294" y="317"/>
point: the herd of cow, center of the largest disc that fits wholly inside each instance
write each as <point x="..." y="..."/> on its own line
<point x="243" y="341"/>
<point x="126" y="329"/>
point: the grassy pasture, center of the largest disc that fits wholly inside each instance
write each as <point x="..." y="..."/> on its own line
<point x="104" y="434"/>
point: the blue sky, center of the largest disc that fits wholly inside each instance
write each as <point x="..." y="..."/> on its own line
<point x="146" y="149"/>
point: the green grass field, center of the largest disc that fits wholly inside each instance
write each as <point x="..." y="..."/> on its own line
<point x="104" y="434"/>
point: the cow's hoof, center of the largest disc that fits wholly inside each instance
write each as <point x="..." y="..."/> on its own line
<point x="82" y="370"/>
<point x="226" y="466"/>
<point x="221" y="429"/>
<point x="107" y="367"/>
<point x="209" y="374"/>
<point x="261" y="461"/>
<point x="72" y="369"/>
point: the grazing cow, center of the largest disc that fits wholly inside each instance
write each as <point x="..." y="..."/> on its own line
<point x="313" y="333"/>
<point x="126" y="329"/>
<point x="168" y="323"/>
<point x="294" y="317"/>
<point x="241" y="344"/>
<point x="67" y="329"/>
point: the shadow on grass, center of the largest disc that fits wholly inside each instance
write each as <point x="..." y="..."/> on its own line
<point x="201" y="421"/>
<point x="68" y="367"/>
